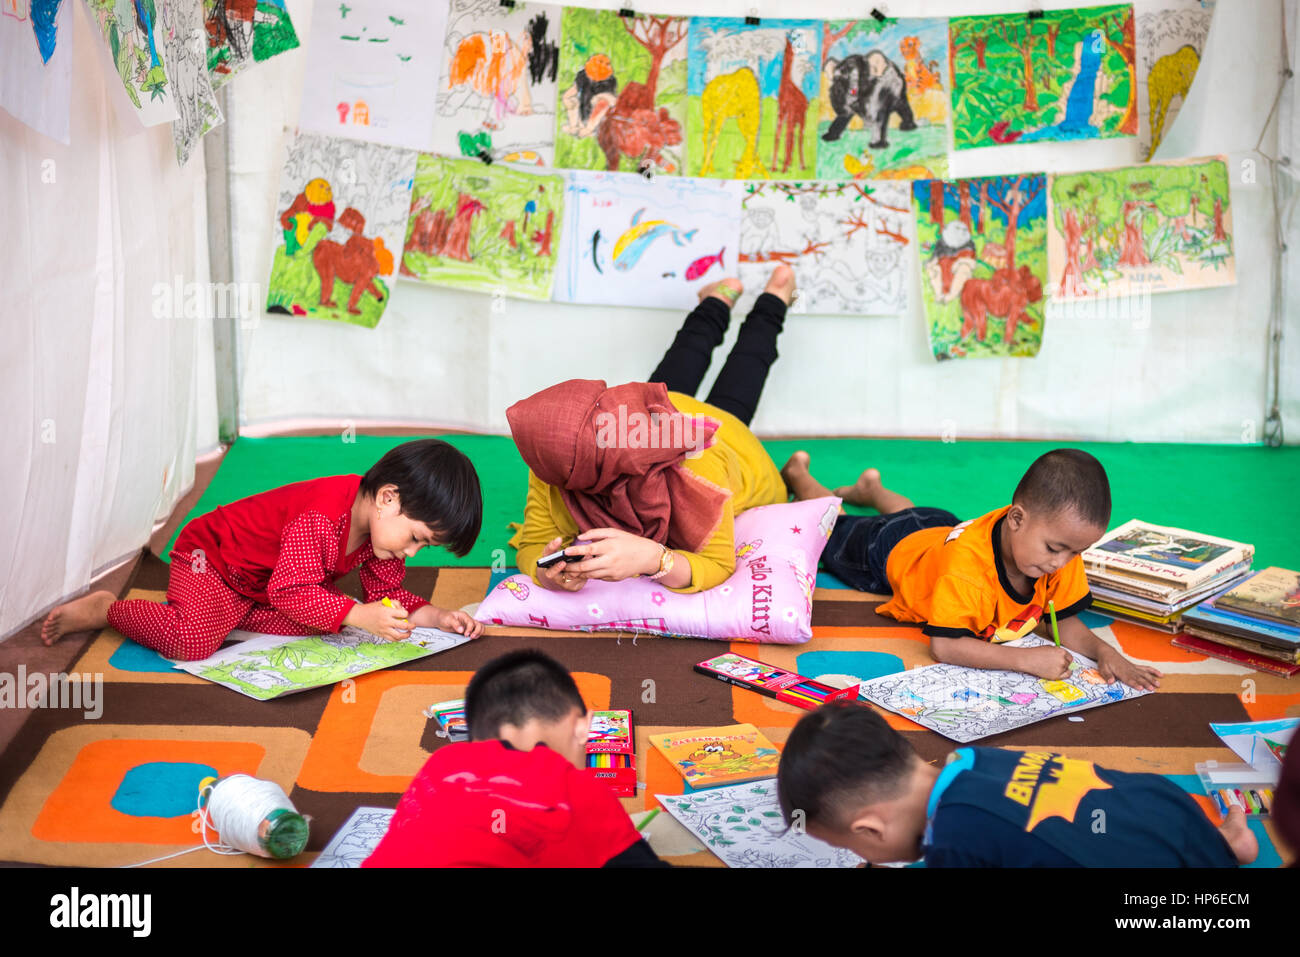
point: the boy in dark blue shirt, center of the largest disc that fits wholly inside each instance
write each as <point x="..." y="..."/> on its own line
<point x="854" y="782"/>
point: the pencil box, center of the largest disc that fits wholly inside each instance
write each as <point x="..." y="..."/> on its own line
<point x="772" y="681"/>
<point x="1238" y="784"/>
<point x="611" y="751"/>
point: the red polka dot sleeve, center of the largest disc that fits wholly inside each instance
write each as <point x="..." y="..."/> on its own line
<point x="299" y="587"/>
<point x="382" y="578"/>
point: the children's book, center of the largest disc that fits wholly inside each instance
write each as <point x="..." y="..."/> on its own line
<point x="268" y="666"/>
<point x="1273" y="593"/>
<point x="356" y="839"/>
<point x="1274" y="634"/>
<point x="1174" y="556"/>
<point x="743" y="826"/>
<point x="1214" y="646"/>
<point x="1261" y="744"/>
<point x="708" y="757"/>
<point x="966" y="704"/>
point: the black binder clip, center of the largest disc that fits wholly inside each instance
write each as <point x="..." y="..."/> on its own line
<point x="626" y="12"/>
<point x="486" y="157"/>
<point x="875" y="12"/>
<point x="1034" y="15"/>
<point x="508" y="4"/>
<point x="753" y="21"/>
<point x="647" y="170"/>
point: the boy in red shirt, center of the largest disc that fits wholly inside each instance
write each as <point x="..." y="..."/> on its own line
<point x="268" y="563"/>
<point x="517" y="794"/>
<point x="976" y="584"/>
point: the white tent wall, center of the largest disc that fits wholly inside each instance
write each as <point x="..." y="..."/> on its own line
<point x="1194" y="370"/>
<point x="107" y="385"/>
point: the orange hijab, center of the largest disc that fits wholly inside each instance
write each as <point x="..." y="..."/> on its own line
<point x="578" y="436"/>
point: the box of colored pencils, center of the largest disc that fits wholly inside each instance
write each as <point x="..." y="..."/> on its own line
<point x="611" y="751"/>
<point x="1238" y="785"/>
<point x="772" y="681"/>
<point x="450" y="716"/>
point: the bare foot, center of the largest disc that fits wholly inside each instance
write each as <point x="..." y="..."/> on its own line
<point x="733" y="286"/>
<point x="781" y="284"/>
<point x="799" y="480"/>
<point x="1239" y="836"/>
<point x="87" y="613"/>
<point x="869" y="492"/>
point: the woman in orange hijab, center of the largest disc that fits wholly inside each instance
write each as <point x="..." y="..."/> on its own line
<point x="645" y="477"/>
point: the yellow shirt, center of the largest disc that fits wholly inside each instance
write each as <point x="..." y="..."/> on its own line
<point x="953" y="580"/>
<point x="736" y="461"/>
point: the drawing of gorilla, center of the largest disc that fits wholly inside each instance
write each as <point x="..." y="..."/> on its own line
<point x="871" y="86"/>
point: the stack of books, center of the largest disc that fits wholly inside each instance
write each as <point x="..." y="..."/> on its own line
<point x="1151" y="574"/>
<point x="1255" y="623"/>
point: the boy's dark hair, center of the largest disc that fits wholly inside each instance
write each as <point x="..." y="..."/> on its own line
<point x="515" y="688"/>
<point x="1066" y="478"/>
<point x="437" y="485"/>
<point x="837" y="759"/>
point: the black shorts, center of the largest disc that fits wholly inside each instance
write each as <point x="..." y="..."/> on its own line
<point x="859" y="545"/>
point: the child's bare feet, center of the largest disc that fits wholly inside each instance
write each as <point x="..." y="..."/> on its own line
<point x="782" y="283"/>
<point x="87" y="613"/>
<point x="1239" y="836"/>
<point x="799" y="480"/>
<point x="728" y="290"/>
<point x="869" y="492"/>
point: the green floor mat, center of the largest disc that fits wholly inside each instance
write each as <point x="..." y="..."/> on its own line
<point x="1247" y="493"/>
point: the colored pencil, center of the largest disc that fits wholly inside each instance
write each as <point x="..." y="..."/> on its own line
<point x="1056" y="633"/>
<point x="647" y="819"/>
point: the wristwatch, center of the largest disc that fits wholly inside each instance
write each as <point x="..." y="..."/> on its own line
<point x="665" y="564"/>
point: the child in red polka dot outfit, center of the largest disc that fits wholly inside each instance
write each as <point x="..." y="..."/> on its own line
<point x="268" y="563"/>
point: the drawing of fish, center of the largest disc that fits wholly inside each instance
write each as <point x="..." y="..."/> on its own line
<point x="702" y="265"/>
<point x="633" y="243"/>
<point x="595" y="255"/>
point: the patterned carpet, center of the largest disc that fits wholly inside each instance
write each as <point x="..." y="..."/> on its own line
<point x="120" y="789"/>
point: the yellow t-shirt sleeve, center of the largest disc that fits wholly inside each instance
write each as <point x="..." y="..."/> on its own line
<point x="958" y="609"/>
<point x="541" y="524"/>
<point x="1068" y="589"/>
<point x="714" y="564"/>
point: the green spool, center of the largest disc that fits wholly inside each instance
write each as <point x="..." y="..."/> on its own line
<point x="286" y="833"/>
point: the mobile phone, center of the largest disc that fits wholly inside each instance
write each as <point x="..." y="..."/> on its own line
<point x="546" y="561"/>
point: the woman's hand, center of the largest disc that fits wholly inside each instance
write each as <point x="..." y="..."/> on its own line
<point x="560" y="576"/>
<point x="612" y="555"/>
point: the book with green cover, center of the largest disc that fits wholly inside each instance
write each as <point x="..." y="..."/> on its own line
<point x="1273" y="593"/>
<point x="708" y="757"/>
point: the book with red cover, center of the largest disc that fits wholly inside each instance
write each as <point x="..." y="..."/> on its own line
<point x="1213" y="649"/>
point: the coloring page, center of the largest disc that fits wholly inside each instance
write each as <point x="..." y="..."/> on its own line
<point x="966" y="704"/>
<point x="356" y="839"/>
<point x="185" y="43"/>
<point x="133" y="41"/>
<point x="243" y="32"/>
<point x="36" y="64"/>
<point x="1169" y="47"/>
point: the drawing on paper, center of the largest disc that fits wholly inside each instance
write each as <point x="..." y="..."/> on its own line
<point x="1261" y="744"/>
<point x="268" y="666"/>
<point x="1155" y="228"/>
<point x="44" y="16"/>
<point x="197" y="110"/>
<point x="342" y="212"/>
<point x="497" y="89"/>
<point x="243" y="32"/>
<point x="36" y="76"/>
<point x="1066" y="75"/>
<point x="884" y="99"/>
<point x="845" y="242"/>
<point x="966" y="704"/>
<point x="371" y="71"/>
<point x="629" y="241"/>
<point x="356" y="839"/>
<point x="622" y="92"/>
<point x="1169" y="47"/>
<point x="743" y="826"/>
<point x="983" y="255"/>
<point x="751" y="86"/>
<point x="131" y="30"/>
<point x="489" y="228"/>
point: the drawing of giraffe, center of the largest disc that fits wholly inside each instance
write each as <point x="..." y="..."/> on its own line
<point x="1170" y="77"/>
<point x="792" y="108"/>
<point x="730" y="95"/>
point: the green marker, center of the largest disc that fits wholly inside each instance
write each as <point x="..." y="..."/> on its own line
<point x="647" y="819"/>
<point x="1056" y="634"/>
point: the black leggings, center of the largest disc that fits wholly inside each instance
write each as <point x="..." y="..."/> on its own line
<point x="740" y="382"/>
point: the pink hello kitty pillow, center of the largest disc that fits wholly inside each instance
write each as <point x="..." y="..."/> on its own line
<point x="767" y="599"/>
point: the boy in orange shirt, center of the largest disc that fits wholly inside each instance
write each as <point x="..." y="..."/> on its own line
<point x="976" y="584"/>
